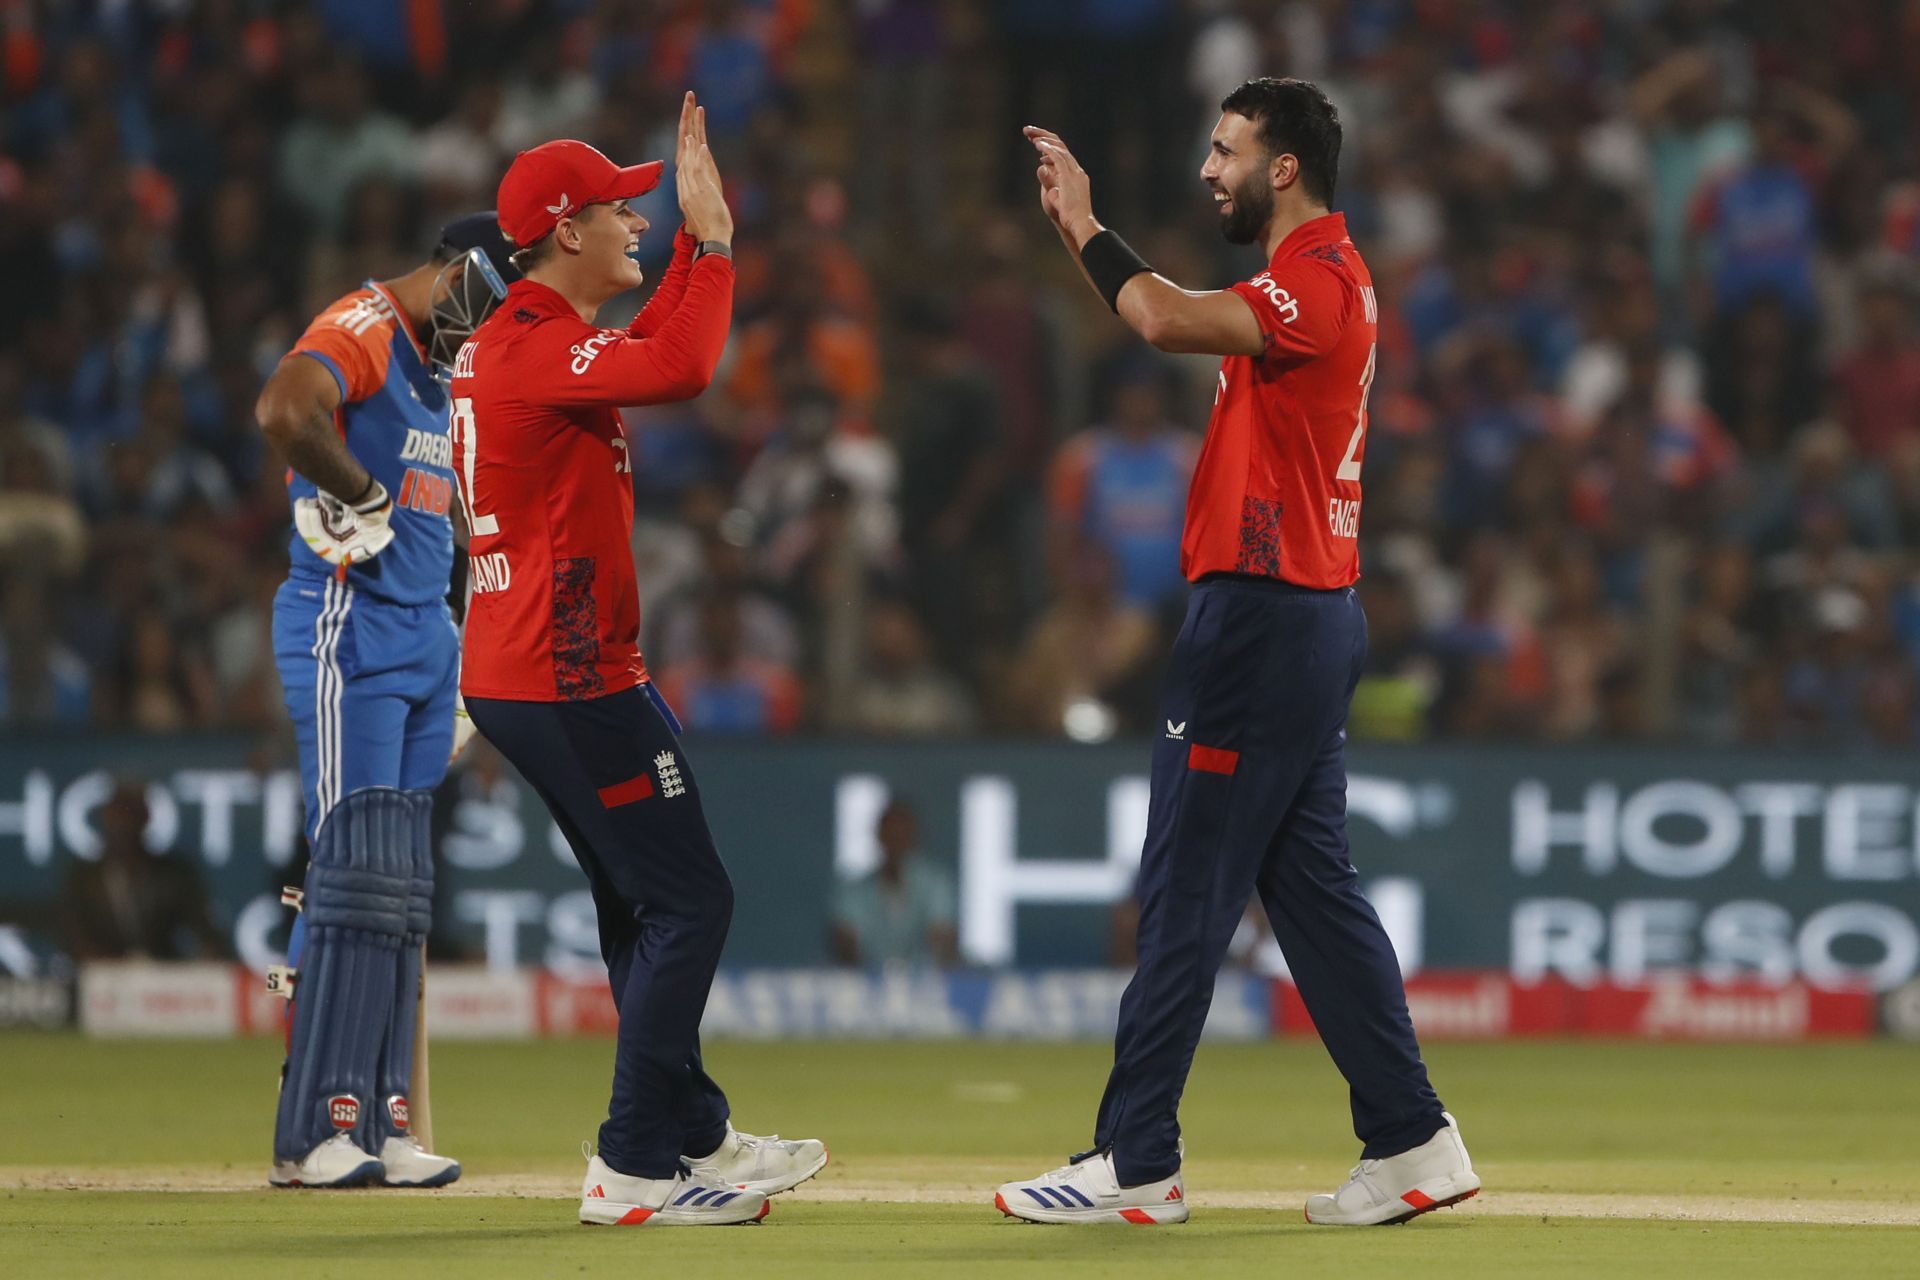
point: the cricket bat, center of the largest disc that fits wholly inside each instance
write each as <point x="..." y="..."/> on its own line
<point x="419" y="1101"/>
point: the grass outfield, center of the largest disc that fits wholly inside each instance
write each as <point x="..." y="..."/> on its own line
<point x="1599" y="1159"/>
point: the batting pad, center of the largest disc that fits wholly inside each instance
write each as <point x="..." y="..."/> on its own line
<point x="395" y="1070"/>
<point x="358" y="888"/>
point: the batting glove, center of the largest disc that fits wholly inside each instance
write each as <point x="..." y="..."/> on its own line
<point x="463" y="728"/>
<point x="342" y="534"/>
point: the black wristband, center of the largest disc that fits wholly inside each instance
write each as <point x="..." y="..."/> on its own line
<point x="706" y="247"/>
<point x="1110" y="263"/>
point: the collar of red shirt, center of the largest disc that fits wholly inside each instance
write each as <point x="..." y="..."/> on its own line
<point x="1325" y="229"/>
<point x="534" y="296"/>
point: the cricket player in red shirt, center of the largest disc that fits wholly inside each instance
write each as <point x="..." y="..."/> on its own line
<point x="552" y="672"/>
<point x="1249" y="771"/>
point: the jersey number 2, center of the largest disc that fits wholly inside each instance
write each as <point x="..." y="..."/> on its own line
<point x="463" y="426"/>
<point x="1349" y="465"/>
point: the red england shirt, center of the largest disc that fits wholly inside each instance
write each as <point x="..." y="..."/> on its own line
<point x="546" y="476"/>
<point x="1276" y="492"/>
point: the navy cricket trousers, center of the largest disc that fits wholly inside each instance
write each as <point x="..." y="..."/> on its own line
<point x="612" y="775"/>
<point x="1250" y="795"/>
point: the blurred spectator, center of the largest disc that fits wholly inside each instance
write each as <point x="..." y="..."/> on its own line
<point x="1878" y="382"/>
<point x="1121" y="489"/>
<point x="461" y="158"/>
<point x="952" y="459"/>
<point x="158" y="681"/>
<point x="43" y="684"/>
<point x="1719" y="642"/>
<point x="1757" y="220"/>
<point x="546" y="96"/>
<point x="1623" y="320"/>
<point x="1400" y="680"/>
<point x="339" y="139"/>
<point x="721" y="688"/>
<point x="804" y="339"/>
<point x="1762" y="380"/>
<point x="1692" y="138"/>
<point x="1584" y="644"/>
<point x="812" y="451"/>
<point x="900" y="915"/>
<point x="375" y="243"/>
<point x="42" y="528"/>
<point x="766" y="631"/>
<point x="1093" y="652"/>
<point x="900" y="691"/>
<point x="1824" y="504"/>
<point x="178" y="474"/>
<point x="132" y="903"/>
<point x="903" y="47"/>
<point x="1826" y="686"/>
<point x="729" y="67"/>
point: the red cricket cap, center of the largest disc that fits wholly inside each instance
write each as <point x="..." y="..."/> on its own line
<point x="556" y="180"/>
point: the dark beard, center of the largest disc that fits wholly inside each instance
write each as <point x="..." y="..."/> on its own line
<point x="1252" y="210"/>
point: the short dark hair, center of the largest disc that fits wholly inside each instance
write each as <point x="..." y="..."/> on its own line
<point x="1294" y="118"/>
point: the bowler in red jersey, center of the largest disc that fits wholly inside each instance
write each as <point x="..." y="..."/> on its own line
<point x="1249" y="766"/>
<point x="552" y="672"/>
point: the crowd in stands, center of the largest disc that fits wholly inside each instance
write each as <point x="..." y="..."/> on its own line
<point x="1644" y="453"/>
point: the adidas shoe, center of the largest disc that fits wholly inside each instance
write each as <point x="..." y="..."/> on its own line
<point x="1433" y="1175"/>
<point x="1090" y="1191"/>
<point x="408" y="1164"/>
<point x="767" y="1165"/>
<point x="334" y="1163"/>
<point x="612" y="1199"/>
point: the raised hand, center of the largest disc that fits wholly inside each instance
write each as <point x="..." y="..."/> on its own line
<point x="702" y="203"/>
<point x="1065" y="190"/>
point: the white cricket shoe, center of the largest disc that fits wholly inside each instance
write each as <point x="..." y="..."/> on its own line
<point x="408" y="1164"/>
<point x="768" y="1165"/>
<point x="1433" y="1175"/>
<point x="1090" y="1191"/>
<point x="612" y="1199"/>
<point x="334" y="1163"/>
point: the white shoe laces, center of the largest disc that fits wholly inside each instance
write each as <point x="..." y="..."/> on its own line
<point x="1362" y="1175"/>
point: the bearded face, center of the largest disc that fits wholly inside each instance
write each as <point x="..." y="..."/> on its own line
<point x="1238" y="172"/>
<point x="1246" y="207"/>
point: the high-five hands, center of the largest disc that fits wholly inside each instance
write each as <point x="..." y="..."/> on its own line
<point x="702" y="203"/>
<point x="1066" y="193"/>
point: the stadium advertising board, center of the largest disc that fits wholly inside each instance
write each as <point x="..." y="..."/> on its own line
<point x="1577" y="867"/>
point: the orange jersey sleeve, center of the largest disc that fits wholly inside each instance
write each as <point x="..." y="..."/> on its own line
<point x="353" y="338"/>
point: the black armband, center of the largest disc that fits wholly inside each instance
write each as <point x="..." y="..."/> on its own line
<point x="1110" y="263"/>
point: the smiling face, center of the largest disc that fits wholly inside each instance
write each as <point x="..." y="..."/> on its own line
<point x="608" y="235"/>
<point x="1239" y="172"/>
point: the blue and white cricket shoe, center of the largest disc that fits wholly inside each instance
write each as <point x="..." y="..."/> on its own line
<point x="1090" y="1191"/>
<point x="768" y="1165"/>
<point x="334" y="1163"/>
<point x="408" y="1164"/>
<point x="609" y="1198"/>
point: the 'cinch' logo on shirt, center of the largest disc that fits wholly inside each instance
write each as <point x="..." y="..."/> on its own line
<point x="584" y="352"/>
<point x="1283" y="302"/>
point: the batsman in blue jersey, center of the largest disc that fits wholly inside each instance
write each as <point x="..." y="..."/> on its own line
<point x="370" y="660"/>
